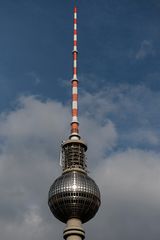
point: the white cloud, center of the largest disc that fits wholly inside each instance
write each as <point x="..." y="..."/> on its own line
<point x="130" y="207"/>
<point x="146" y="49"/>
<point x="30" y="141"/>
<point x="34" y="77"/>
<point x="100" y="139"/>
<point x="145" y="137"/>
<point x="30" y="138"/>
<point x="133" y="110"/>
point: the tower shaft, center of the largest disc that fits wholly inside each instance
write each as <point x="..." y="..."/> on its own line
<point x="74" y="230"/>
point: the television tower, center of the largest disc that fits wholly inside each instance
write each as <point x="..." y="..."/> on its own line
<point x="74" y="197"/>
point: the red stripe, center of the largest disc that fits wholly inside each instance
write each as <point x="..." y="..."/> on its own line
<point x="75" y="130"/>
<point x="75" y="31"/>
<point x="75" y="9"/>
<point x="74" y="127"/>
<point x="75" y="56"/>
<point x="74" y="112"/>
<point x="75" y="42"/>
<point x="74" y="83"/>
<point x="75" y="71"/>
<point x="75" y="97"/>
<point x="75" y="20"/>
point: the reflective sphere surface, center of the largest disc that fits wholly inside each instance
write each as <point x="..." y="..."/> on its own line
<point x="74" y="195"/>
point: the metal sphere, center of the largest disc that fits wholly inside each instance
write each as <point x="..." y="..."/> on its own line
<point x="74" y="195"/>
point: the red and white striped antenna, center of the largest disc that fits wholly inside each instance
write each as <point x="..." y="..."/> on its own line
<point x="74" y="123"/>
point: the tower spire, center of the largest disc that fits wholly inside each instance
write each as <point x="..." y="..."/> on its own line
<point x="74" y="123"/>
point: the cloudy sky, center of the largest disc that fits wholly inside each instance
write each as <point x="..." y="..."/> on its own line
<point x="119" y="73"/>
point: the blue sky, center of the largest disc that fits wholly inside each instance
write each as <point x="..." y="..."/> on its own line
<point x="119" y="106"/>
<point x="118" y="43"/>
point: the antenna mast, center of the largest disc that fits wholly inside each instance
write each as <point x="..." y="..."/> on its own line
<point x="75" y="123"/>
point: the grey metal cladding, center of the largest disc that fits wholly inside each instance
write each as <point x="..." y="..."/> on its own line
<point x="74" y="194"/>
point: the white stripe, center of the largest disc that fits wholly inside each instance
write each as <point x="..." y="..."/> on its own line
<point x="75" y="48"/>
<point x="75" y="15"/>
<point x="75" y="26"/>
<point x="75" y="63"/>
<point x="75" y="76"/>
<point x="74" y="119"/>
<point x="74" y="90"/>
<point x="74" y="105"/>
<point x="75" y="37"/>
